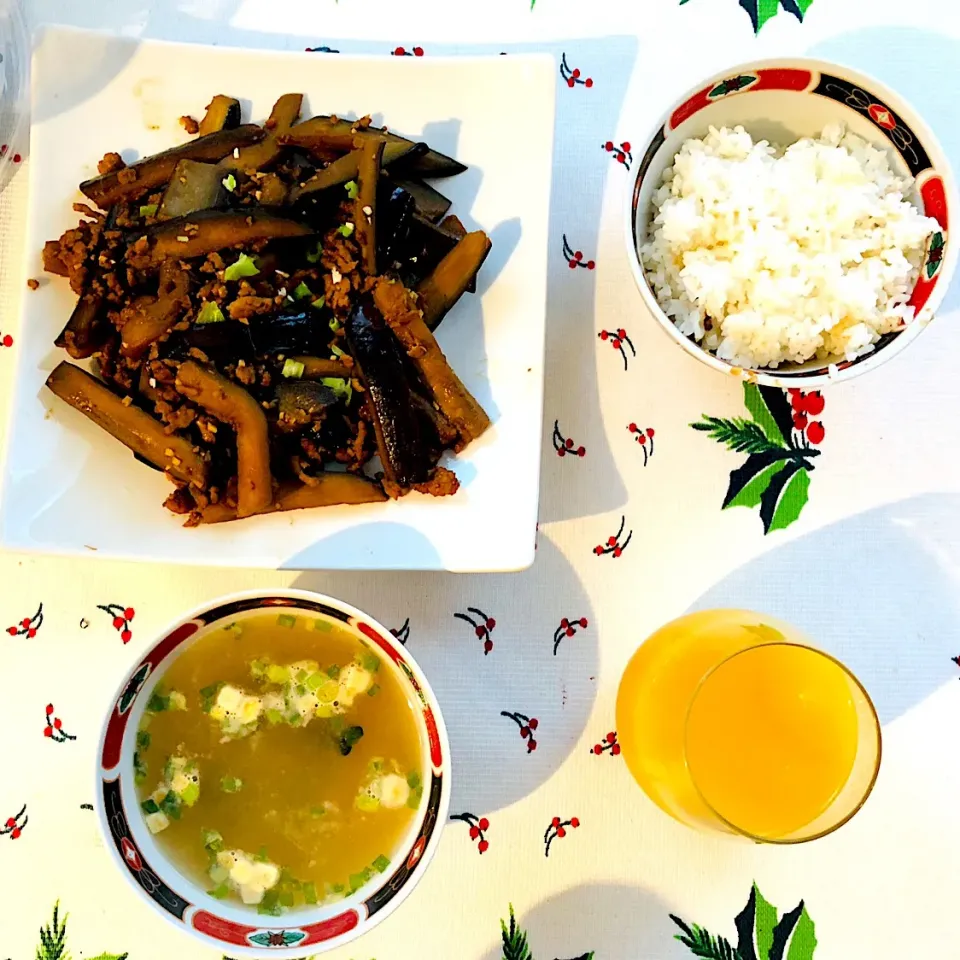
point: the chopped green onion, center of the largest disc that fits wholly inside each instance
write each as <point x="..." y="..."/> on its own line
<point x="334" y="349"/>
<point x="286" y="898"/>
<point x="315" y="680"/>
<point x="270" y="904"/>
<point x="277" y="674"/>
<point x="318" y="303"/>
<point x="212" y="840"/>
<point x="244" y="266"/>
<point x="209" y="694"/>
<point x="209" y="313"/>
<point x="148" y="210"/>
<point x="170" y="805"/>
<point x="261" y="855"/>
<point x="309" y="892"/>
<point x="345" y="230"/>
<point x="380" y="864"/>
<point x="287" y="619"/>
<point x="231" y="784"/>
<point x="370" y="662"/>
<point x="357" y="880"/>
<point x="415" y="797"/>
<point x="274" y="716"/>
<point x="302" y="291"/>
<point x="143" y="739"/>
<point x="333" y="671"/>
<point x="349" y="739"/>
<point x="139" y="769"/>
<point x="325" y="625"/>
<point x="314" y="255"/>
<point x="338" y="888"/>
<point x="149" y="806"/>
<point x="235" y="628"/>
<point x="341" y="388"/>
<point x="294" y="370"/>
<point x="414" y="780"/>
<point x="317" y="812"/>
<point x="352" y="189"/>
<point x="220" y="891"/>
<point x="229" y="182"/>
<point x="191" y="794"/>
<point x="374" y="690"/>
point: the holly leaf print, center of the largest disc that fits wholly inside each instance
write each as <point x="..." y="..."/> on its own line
<point x="756" y="921"/>
<point x="760" y="11"/>
<point x="786" y="496"/>
<point x="761" y="411"/>
<point x="803" y="942"/>
<point x="749" y="482"/>
<point x="737" y="434"/>
<point x="783" y="934"/>
<point x="797" y="7"/>
<point x="775" y="400"/>
<point x="111" y="956"/>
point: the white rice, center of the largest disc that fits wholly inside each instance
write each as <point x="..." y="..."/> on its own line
<point x="767" y="256"/>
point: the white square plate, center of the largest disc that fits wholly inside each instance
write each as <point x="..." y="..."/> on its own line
<point x="69" y="488"/>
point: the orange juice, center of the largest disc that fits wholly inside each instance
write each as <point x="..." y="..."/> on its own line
<point x="728" y="722"/>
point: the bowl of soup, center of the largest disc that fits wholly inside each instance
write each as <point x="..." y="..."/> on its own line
<point x="273" y="774"/>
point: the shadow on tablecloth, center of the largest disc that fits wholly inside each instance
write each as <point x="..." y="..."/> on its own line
<point x="605" y="920"/>
<point x="879" y="590"/>
<point x="442" y="614"/>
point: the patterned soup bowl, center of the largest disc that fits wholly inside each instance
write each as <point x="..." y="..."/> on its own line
<point x="782" y="101"/>
<point x="229" y="927"/>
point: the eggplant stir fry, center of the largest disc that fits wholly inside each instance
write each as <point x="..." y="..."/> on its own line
<point x="258" y="306"/>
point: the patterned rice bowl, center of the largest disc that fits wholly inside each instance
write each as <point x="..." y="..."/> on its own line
<point x="231" y="928"/>
<point x="781" y="101"/>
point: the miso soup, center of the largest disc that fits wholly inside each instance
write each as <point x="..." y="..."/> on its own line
<point x="278" y="762"/>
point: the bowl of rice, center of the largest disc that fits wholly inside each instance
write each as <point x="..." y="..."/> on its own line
<point x="787" y="223"/>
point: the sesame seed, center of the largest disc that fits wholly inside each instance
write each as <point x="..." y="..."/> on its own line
<point x="127" y="400"/>
<point x="176" y="461"/>
<point x="236" y="153"/>
<point x="212" y="427"/>
<point x="335" y="275"/>
<point x="183" y="239"/>
<point x="281" y="273"/>
<point x="168" y="452"/>
<point x="282" y="292"/>
<point x="152" y="381"/>
<point x="368" y="211"/>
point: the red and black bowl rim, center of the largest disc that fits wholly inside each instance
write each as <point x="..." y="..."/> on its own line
<point x="931" y="183"/>
<point x="257" y="936"/>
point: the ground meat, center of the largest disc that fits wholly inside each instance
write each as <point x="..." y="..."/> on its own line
<point x="51" y="259"/>
<point x="190" y="125"/>
<point x="110" y="163"/>
<point x="33" y="284"/>
<point x="443" y="483"/>
<point x="180" y="501"/>
<point x="245" y="307"/>
<point x="127" y="175"/>
<point x="398" y="306"/>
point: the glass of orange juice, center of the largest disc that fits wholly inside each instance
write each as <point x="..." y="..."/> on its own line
<point x="730" y="720"/>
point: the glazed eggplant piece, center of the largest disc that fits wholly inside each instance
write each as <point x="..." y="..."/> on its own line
<point x="430" y="163"/>
<point x="347" y="168"/>
<point x="327" y="490"/>
<point x="261" y="155"/>
<point x="431" y="204"/>
<point x="134" y="428"/>
<point x="87" y="329"/>
<point x="365" y="204"/>
<point x="425" y="246"/>
<point x="205" y="231"/>
<point x="452" y="277"/>
<point x="401" y="443"/>
<point x="156" y="318"/>
<point x="316" y="368"/>
<point x="295" y="330"/>
<point x="302" y="402"/>
<point x="224" y="343"/>
<point x="156" y="170"/>
<point x="396" y="209"/>
<point x="194" y="186"/>
<point x="230" y="403"/>
<point x="223" y="113"/>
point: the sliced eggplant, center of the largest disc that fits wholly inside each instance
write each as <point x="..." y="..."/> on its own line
<point x="431" y="204"/>
<point x="156" y="170"/>
<point x="224" y="343"/>
<point x="291" y="332"/>
<point x="133" y="427"/>
<point x="426" y="245"/>
<point x="155" y="319"/>
<point x="347" y="168"/>
<point x="365" y="204"/>
<point x="261" y="155"/>
<point x="327" y="490"/>
<point x="273" y="191"/>
<point x="87" y="329"/>
<point x="315" y="368"/>
<point x="302" y="402"/>
<point x="452" y="277"/>
<point x="194" y="186"/>
<point x="401" y="441"/>
<point x="395" y="212"/>
<point x="430" y="163"/>
<point x="230" y="403"/>
<point x="205" y="231"/>
<point x="223" y="113"/>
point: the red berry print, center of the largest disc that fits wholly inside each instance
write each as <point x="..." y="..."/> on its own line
<point x="816" y="432"/>
<point x="569" y="625"/>
<point x="418" y="51"/>
<point x="478" y="828"/>
<point x="53" y="727"/>
<point x="574" y="258"/>
<point x="483" y="626"/>
<point x="399" y="52"/>
<point x="609" y="744"/>
<point x="6" y="340"/>
<point x="11" y="822"/>
<point x="572" y="77"/>
<point x="120" y="617"/>
<point x="622" y="153"/>
<point x="814" y="403"/>
<point x="800" y="421"/>
<point x="608" y="146"/>
<point x="28" y="626"/>
<point x="616" y="545"/>
<point x="403" y="52"/>
<point x="526" y="725"/>
<point x="644" y="438"/>
<point x="557" y="831"/>
<point x="617" y="340"/>
<point x="15" y="833"/>
<point x="564" y="445"/>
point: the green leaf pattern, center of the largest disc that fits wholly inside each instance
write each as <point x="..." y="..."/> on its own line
<point x="762" y="11"/>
